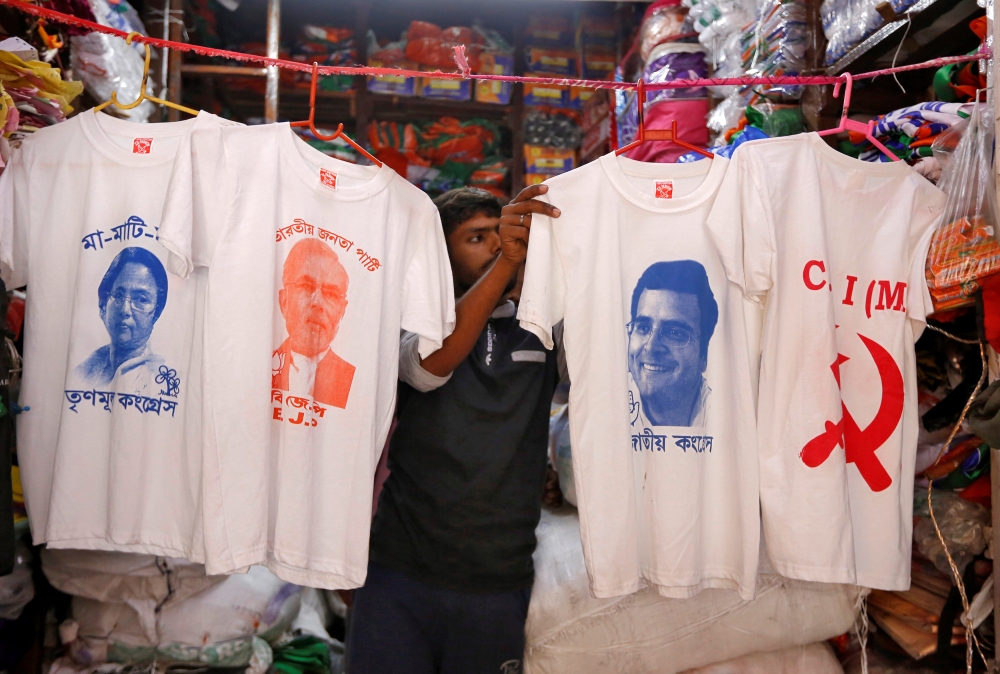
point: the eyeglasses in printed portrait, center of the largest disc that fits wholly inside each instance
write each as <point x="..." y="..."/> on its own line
<point x="313" y="301"/>
<point x="674" y="314"/>
<point x="131" y="298"/>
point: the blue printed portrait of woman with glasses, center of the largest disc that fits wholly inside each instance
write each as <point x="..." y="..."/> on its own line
<point x="131" y="298"/>
<point x="673" y="316"/>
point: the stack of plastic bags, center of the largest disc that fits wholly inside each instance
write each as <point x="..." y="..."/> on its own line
<point x="964" y="254"/>
<point x="772" y="43"/>
<point x="667" y="52"/>
<point x="33" y="95"/>
<point x="442" y="154"/>
<point x="848" y="22"/>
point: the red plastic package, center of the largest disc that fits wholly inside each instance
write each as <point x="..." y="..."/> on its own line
<point x="461" y="35"/>
<point x="430" y="51"/>
<point x="422" y="29"/>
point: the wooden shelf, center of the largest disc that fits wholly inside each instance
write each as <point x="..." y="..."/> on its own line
<point x="391" y="108"/>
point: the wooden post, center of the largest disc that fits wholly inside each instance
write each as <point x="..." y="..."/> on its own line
<point x="174" y="60"/>
<point x="991" y="78"/>
<point x="515" y="118"/>
<point x="362" y="100"/>
<point x="273" y="48"/>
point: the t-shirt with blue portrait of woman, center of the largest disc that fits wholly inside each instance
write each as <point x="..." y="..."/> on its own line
<point x="109" y="443"/>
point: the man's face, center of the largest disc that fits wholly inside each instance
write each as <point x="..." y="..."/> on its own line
<point x="664" y="354"/>
<point x="473" y="246"/>
<point x="129" y="309"/>
<point x="313" y="302"/>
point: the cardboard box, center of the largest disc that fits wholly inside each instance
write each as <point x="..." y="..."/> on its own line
<point x="488" y="91"/>
<point x="555" y="62"/>
<point x="452" y="89"/>
<point x="534" y="179"/>
<point x="393" y="84"/>
<point x="554" y="95"/>
<point x="598" y="63"/>
<point x="548" y="160"/>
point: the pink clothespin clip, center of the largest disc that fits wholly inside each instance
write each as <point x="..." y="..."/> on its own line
<point x="461" y="61"/>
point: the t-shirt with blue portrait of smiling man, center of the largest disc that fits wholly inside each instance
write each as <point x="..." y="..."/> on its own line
<point x="131" y="298"/>
<point x="674" y="314"/>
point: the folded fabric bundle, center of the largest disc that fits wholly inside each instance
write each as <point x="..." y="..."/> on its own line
<point x="909" y="131"/>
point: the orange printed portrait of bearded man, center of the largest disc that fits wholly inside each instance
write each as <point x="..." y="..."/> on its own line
<point x="313" y="301"/>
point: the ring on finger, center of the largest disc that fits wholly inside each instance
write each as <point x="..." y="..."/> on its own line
<point x="522" y="219"/>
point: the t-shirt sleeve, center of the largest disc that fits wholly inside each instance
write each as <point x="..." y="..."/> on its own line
<point x="428" y="290"/>
<point x="14" y="221"/>
<point x="928" y="205"/>
<point x="410" y="369"/>
<point x="543" y="294"/>
<point x="198" y="195"/>
<point x="740" y="226"/>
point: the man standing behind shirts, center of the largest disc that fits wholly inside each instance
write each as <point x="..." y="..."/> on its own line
<point x="450" y="573"/>
<point x="313" y="300"/>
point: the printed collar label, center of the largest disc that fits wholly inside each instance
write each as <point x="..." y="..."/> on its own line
<point x="328" y="178"/>
<point x="142" y="145"/>
<point x="664" y="189"/>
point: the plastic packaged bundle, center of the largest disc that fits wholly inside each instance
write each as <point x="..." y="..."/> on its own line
<point x="846" y="23"/>
<point x="673" y="61"/>
<point x="552" y="128"/>
<point x="662" y="23"/>
<point x="106" y="64"/>
<point x="775" y="43"/>
<point x="963" y="525"/>
<point x="964" y="249"/>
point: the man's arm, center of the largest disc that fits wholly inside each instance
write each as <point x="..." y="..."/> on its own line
<point x="475" y="307"/>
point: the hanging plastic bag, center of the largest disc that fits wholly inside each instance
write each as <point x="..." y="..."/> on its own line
<point x="964" y="249"/>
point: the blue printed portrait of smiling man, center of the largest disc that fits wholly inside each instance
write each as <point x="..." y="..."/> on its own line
<point x="673" y="317"/>
<point x="131" y="298"/>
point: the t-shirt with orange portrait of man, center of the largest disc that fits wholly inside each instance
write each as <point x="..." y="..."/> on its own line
<point x="313" y="301"/>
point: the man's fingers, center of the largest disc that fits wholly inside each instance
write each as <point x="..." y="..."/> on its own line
<point x="532" y="206"/>
<point x="529" y="192"/>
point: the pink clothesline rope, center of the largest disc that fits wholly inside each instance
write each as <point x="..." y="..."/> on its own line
<point x="466" y="73"/>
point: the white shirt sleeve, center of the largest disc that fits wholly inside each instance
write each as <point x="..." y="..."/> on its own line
<point x="543" y="295"/>
<point x="14" y="222"/>
<point x="740" y="226"/>
<point x="428" y="289"/>
<point x="199" y="194"/>
<point x="410" y="369"/>
<point x="928" y="205"/>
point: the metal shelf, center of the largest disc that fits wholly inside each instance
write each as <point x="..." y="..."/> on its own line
<point x="929" y="19"/>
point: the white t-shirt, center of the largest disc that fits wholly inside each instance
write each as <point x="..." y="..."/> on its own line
<point x="314" y="265"/>
<point x="836" y="248"/>
<point x="110" y="450"/>
<point x="661" y="406"/>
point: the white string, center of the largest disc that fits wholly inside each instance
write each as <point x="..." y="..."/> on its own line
<point x="895" y="76"/>
<point x="862" y="633"/>
<point x="951" y="336"/>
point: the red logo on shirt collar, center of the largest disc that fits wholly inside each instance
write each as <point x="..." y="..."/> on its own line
<point x="664" y="189"/>
<point x="142" y="145"/>
<point x="328" y="178"/>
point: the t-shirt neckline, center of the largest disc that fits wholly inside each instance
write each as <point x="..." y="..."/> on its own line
<point x="829" y="153"/>
<point x="619" y="168"/>
<point x="97" y="132"/>
<point x="295" y="151"/>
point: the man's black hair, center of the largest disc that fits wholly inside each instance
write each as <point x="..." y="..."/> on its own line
<point x="457" y="206"/>
<point x="682" y="276"/>
<point x="142" y="257"/>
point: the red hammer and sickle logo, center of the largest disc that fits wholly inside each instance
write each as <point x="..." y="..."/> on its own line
<point x="860" y="444"/>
